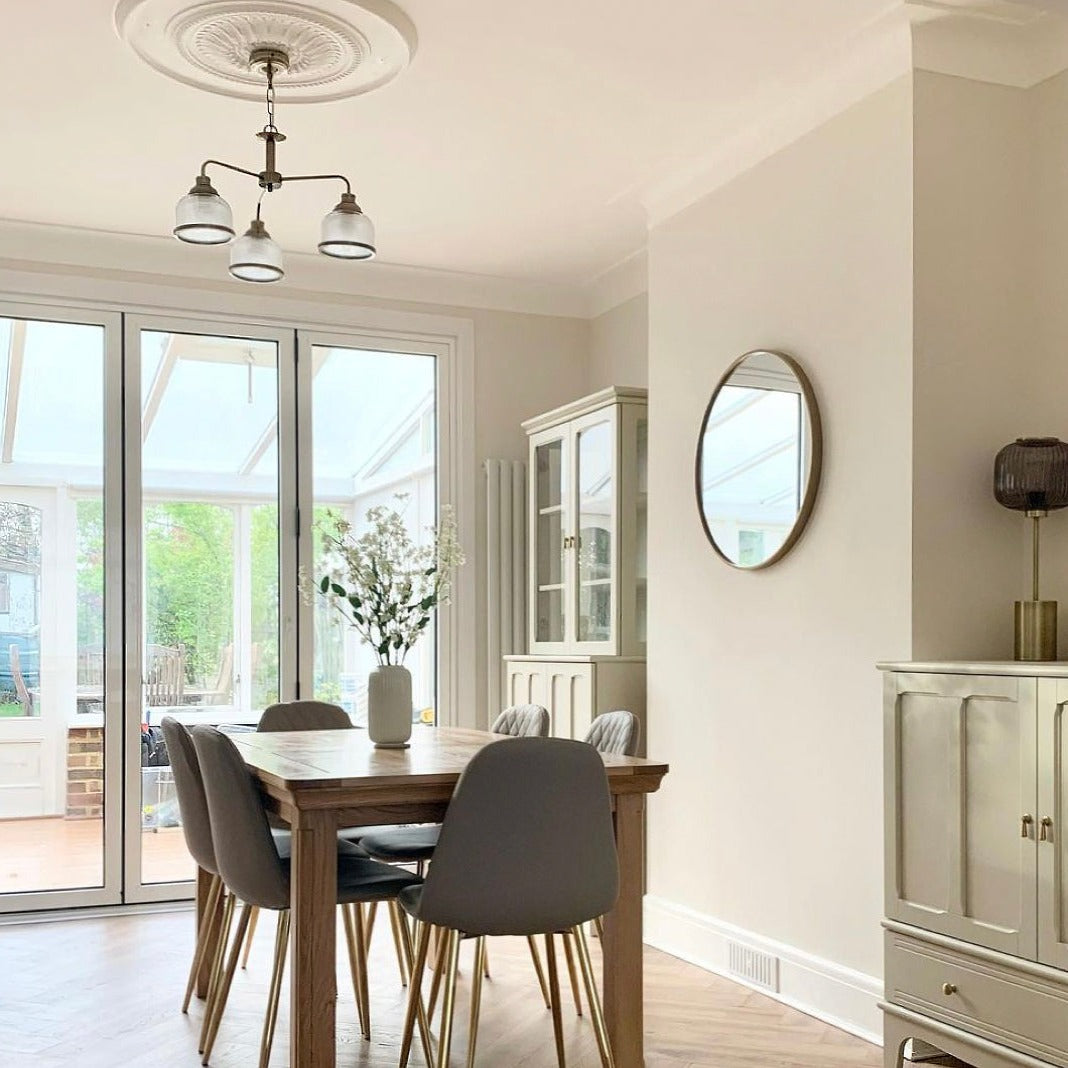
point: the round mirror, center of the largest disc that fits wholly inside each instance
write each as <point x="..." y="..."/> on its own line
<point x="758" y="459"/>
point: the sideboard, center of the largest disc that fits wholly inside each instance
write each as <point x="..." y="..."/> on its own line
<point x="976" y="927"/>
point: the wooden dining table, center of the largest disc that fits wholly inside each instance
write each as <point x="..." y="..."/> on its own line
<point x="318" y="781"/>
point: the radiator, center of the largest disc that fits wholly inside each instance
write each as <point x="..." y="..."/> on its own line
<point x="506" y="581"/>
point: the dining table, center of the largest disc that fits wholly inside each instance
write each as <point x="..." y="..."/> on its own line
<point x="318" y="781"/>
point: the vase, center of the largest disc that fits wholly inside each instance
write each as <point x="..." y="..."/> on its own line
<point x="389" y="706"/>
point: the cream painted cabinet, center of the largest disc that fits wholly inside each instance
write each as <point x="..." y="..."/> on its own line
<point x="587" y="526"/>
<point x="976" y="892"/>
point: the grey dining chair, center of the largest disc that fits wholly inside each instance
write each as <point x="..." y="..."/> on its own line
<point x="258" y="875"/>
<point x="313" y="715"/>
<point x="619" y="733"/>
<point x="532" y="805"/>
<point x="196" y="827"/>
<point x="415" y="845"/>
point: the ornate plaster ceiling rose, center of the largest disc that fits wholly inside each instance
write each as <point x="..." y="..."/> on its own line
<point x="336" y="48"/>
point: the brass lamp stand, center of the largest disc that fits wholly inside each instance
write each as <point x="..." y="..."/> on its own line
<point x="1031" y="476"/>
<point x="1036" y="620"/>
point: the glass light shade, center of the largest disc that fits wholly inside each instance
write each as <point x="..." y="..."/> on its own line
<point x="255" y="256"/>
<point x="347" y="233"/>
<point x="202" y="217"/>
<point x="1031" y="475"/>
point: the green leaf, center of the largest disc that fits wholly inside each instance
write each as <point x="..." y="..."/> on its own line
<point x="338" y="589"/>
<point x="427" y="602"/>
<point x="356" y="615"/>
<point x="383" y="649"/>
<point x="325" y="584"/>
<point x="355" y="601"/>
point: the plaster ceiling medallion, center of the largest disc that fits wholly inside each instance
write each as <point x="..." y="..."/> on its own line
<point x="335" y="49"/>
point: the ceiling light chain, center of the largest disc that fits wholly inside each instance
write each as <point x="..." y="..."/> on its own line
<point x="202" y="217"/>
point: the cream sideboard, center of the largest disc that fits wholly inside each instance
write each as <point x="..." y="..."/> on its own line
<point x="577" y="689"/>
<point x="976" y="929"/>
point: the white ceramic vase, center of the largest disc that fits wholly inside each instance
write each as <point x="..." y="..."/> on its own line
<point x="389" y="706"/>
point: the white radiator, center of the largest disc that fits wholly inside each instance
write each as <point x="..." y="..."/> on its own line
<point x="506" y="582"/>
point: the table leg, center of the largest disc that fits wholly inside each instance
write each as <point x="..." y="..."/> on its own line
<point x="203" y="885"/>
<point x="623" y="983"/>
<point x="313" y="907"/>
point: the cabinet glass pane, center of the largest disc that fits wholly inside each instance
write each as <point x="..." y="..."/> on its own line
<point x="595" y="450"/>
<point x="551" y="475"/>
<point x="641" y="570"/>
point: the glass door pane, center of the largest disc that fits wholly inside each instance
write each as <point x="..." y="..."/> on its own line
<point x="55" y="547"/>
<point x="373" y="418"/>
<point x="551" y="494"/>
<point x="209" y="557"/>
<point x="595" y="452"/>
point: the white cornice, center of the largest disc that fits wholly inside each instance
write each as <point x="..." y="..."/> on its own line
<point x="874" y="57"/>
<point x="627" y="279"/>
<point x="1016" y="43"/>
<point x="52" y="249"/>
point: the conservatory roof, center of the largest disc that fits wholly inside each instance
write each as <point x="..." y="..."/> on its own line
<point x="208" y="409"/>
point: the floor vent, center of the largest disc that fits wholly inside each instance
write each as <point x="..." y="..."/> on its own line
<point x="760" y="969"/>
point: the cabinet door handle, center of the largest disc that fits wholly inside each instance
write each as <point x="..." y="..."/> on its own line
<point x="1025" y="825"/>
<point x="949" y="989"/>
<point x="1045" y="829"/>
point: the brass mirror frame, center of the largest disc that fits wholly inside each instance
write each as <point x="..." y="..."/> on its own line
<point x="808" y="502"/>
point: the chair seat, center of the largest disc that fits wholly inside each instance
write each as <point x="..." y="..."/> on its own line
<point x="402" y="845"/>
<point x="283" y="842"/>
<point x="360" y="879"/>
<point x="411" y="900"/>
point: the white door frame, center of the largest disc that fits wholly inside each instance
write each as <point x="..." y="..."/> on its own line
<point x="110" y="892"/>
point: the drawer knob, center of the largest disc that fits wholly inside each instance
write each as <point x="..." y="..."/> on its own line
<point x="1025" y="825"/>
<point x="1045" y="832"/>
<point x="949" y="988"/>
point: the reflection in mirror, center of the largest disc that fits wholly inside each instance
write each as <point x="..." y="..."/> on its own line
<point x="758" y="459"/>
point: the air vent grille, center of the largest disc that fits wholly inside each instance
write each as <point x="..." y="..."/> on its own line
<point x="759" y="969"/>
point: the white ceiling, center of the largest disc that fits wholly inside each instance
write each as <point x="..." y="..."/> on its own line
<point x="519" y="143"/>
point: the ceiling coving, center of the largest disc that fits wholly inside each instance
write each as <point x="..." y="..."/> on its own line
<point x="335" y="48"/>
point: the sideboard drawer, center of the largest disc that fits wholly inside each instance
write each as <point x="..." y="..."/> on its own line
<point x="1014" y="1006"/>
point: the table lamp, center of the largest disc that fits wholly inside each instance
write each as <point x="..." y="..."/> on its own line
<point x="1031" y="475"/>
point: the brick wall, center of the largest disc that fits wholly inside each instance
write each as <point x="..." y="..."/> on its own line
<point x="85" y="773"/>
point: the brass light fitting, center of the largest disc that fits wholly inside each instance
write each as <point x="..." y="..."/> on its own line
<point x="202" y="217"/>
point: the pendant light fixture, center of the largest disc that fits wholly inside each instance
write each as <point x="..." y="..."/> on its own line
<point x="202" y="217"/>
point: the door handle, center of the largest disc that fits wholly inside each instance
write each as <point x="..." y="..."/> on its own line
<point x="1045" y="829"/>
<point x="1026" y="820"/>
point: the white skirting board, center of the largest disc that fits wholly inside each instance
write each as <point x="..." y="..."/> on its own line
<point x="840" y="996"/>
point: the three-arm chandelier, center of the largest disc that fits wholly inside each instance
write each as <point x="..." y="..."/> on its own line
<point x="202" y="217"/>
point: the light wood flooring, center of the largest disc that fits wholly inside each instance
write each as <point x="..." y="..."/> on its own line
<point x="61" y="854"/>
<point x="105" y="992"/>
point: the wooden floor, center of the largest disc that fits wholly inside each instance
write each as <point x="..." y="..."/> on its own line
<point x="105" y="992"/>
<point x="61" y="854"/>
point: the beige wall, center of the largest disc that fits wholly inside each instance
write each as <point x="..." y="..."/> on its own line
<point x="763" y="693"/>
<point x="619" y="345"/>
<point x="975" y="360"/>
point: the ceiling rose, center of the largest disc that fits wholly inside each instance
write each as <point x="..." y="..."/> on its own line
<point x="336" y="48"/>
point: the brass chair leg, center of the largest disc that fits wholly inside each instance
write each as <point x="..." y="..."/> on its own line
<point x="248" y="941"/>
<point x="540" y="972"/>
<point x="485" y="963"/>
<point x="415" y="998"/>
<point x="369" y="920"/>
<point x="354" y="964"/>
<point x="394" y="924"/>
<point x="281" y="947"/>
<point x="599" y="925"/>
<point x="572" y="973"/>
<point x="223" y="993"/>
<point x="554" y="997"/>
<point x="211" y="908"/>
<point x="416" y="986"/>
<point x="448" y="1007"/>
<point x="441" y="940"/>
<point x="226" y="922"/>
<point x="476" y="998"/>
<point x="361" y="962"/>
<point x="600" y="1028"/>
